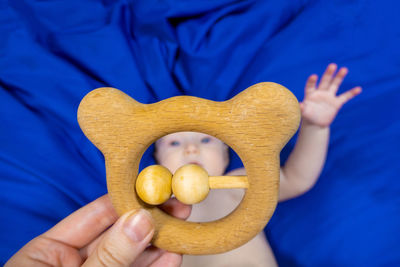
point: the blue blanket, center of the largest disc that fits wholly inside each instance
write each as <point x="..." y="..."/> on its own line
<point x="52" y="53"/>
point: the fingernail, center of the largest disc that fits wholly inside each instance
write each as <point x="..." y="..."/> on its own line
<point x="138" y="225"/>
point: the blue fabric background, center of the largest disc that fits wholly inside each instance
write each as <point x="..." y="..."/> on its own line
<point x="54" y="52"/>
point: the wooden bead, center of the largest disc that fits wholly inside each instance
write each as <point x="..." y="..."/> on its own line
<point x="153" y="184"/>
<point x="190" y="184"/>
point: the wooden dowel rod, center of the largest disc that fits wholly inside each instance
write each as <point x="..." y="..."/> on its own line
<point x="218" y="182"/>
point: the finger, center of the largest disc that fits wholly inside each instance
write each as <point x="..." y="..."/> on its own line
<point x="150" y="255"/>
<point x="311" y="84"/>
<point x="327" y="77"/>
<point x="172" y="206"/>
<point x="168" y="259"/>
<point x="124" y="241"/>
<point x="337" y="81"/>
<point x="176" y="208"/>
<point x="43" y="251"/>
<point x="85" y="224"/>
<point x="88" y="249"/>
<point x="346" y="96"/>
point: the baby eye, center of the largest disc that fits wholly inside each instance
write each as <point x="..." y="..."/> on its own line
<point x="206" y="140"/>
<point x="174" y="143"/>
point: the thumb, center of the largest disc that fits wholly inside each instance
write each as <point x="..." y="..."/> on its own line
<point x="124" y="241"/>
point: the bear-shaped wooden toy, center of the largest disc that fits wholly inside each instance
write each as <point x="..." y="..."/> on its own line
<point x="256" y="123"/>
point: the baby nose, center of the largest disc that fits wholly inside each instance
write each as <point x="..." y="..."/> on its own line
<point x="191" y="149"/>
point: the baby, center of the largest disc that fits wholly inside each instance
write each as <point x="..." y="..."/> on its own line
<point x="297" y="176"/>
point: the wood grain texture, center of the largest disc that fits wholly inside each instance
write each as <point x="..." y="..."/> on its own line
<point x="256" y="123"/>
<point x="220" y="182"/>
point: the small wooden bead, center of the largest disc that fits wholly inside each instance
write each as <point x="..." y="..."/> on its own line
<point x="190" y="184"/>
<point x="153" y="184"/>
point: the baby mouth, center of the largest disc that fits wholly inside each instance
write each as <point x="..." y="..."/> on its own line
<point x="195" y="162"/>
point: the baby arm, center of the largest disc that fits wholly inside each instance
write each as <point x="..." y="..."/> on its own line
<point x="318" y="110"/>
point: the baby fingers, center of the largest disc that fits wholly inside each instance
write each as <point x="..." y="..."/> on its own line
<point x="337" y="80"/>
<point x="346" y="96"/>
<point x="327" y="77"/>
<point x="311" y="84"/>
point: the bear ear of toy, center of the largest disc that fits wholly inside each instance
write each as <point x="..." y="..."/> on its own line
<point x="272" y="106"/>
<point x="102" y="114"/>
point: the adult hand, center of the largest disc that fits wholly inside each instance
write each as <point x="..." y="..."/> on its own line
<point x="321" y="104"/>
<point x="83" y="238"/>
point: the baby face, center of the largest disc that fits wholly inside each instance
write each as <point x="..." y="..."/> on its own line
<point x="177" y="149"/>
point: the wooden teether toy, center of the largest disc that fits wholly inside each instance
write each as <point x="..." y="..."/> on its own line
<point x="256" y="123"/>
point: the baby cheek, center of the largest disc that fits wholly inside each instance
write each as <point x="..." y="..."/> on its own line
<point x="215" y="163"/>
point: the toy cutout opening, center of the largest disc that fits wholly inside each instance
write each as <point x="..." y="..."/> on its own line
<point x="182" y="148"/>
